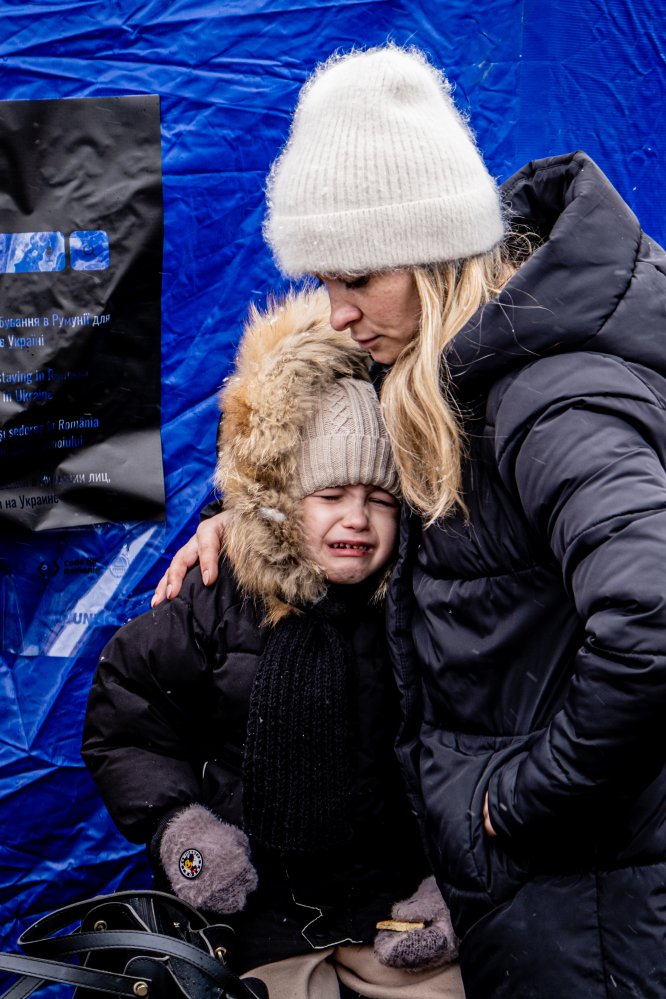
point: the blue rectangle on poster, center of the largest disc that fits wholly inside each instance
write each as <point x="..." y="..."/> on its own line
<point x="89" y="251"/>
<point x="24" y="252"/>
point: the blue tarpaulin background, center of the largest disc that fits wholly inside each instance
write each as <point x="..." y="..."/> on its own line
<point x="540" y="78"/>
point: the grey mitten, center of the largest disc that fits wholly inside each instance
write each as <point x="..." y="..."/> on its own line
<point x="428" y="943"/>
<point x="207" y="861"/>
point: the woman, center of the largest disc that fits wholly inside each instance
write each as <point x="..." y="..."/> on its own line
<point x="525" y="398"/>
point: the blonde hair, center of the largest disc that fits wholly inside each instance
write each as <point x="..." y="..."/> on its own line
<point x="420" y="412"/>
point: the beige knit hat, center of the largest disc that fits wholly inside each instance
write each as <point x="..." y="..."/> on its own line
<point x="380" y="171"/>
<point x="345" y="442"/>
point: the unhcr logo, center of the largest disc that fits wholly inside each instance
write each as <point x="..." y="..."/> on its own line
<point x="35" y="252"/>
<point x="80" y="617"/>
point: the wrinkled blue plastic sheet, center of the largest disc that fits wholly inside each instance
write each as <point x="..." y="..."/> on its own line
<point x="540" y="78"/>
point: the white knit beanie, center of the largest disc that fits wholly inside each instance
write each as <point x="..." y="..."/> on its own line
<point x="345" y="442"/>
<point x="380" y="171"/>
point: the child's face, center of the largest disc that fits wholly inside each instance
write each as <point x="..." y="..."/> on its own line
<point x="350" y="531"/>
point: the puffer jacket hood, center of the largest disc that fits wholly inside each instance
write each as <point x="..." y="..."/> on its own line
<point x="572" y="206"/>
<point x="287" y="359"/>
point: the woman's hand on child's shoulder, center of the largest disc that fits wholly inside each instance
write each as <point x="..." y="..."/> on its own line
<point x="203" y="547"/>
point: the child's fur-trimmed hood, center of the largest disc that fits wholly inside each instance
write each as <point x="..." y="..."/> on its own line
<point x="287" y="359"/>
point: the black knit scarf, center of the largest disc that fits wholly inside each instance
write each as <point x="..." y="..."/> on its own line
<point x="297" y="766"/>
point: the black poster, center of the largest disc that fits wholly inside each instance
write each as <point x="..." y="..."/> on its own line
<point x="80" y="284"/>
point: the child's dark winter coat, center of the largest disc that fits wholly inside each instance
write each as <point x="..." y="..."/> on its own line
<point x="267" y="701"/>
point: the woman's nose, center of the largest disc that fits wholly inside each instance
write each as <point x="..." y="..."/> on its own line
<point x="343" y="312"/>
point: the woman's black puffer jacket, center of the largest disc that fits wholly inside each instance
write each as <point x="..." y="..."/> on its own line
<point x="530" y="639"/>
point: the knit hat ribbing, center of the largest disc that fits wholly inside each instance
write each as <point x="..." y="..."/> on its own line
<point x="345" y="442"/>
<point x="379" y="171"/>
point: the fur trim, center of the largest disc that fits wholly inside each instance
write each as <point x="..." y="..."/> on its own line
<point x="287" y="359"/>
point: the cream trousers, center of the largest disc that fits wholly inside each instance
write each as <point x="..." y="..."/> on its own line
<point x="317" y="976"/>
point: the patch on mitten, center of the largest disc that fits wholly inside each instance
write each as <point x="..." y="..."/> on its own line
<point x="190" y="864"/>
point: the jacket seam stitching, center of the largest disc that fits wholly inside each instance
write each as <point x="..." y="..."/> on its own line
<point x="632" y="274"/>
<point x="647" y="511"/>
<point x="497" y="575"/>
<point x="638" y="656"/>
<point x="566" y="403"/>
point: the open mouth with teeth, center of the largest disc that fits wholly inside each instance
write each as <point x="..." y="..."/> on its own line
<point x="341" y="546"/>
